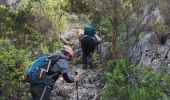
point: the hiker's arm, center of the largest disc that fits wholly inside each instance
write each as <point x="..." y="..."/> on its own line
<point x="99" y="40"/>
<point x="79" y="36"/>
<point x="59" y="68"/>
<point x="68" y="78"/>
<point x="63" y="67"/>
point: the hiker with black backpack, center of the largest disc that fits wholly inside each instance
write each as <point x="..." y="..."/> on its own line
<point x="42" y="76"/>
<point x="89" y="40"/>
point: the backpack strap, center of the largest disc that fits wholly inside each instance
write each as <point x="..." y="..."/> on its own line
<point x="53" y="62"/>
<point x="52" y="75"/>
<point x="50" y="63"/>
<point x="89" y="37"/>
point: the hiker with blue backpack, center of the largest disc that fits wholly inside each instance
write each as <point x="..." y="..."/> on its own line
<point x="45" y="70"/>
<point x="89" y="40"/>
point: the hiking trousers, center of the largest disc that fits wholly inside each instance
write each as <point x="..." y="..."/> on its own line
<point x="40" y="92"/>
<point x="88" y="45"/>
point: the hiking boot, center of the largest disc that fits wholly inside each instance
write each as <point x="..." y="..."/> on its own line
<point x="84" y="66"/>
<point x="90" y="64"/>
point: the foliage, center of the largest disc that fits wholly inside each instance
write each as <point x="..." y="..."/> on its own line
<point x="34" y="22"/>
<point x="14" y="26"/>
<point x="27" y="32"/>
<point x="131" y="82"/>
<point x="50" y="20"/>
<point x="106" y="13"/>
<point x="117" y="16"/>
<point x="164" y="7"/>
<point x="12" y="64"/>
<point x="34" y="26"/>
<point x="44" y="49"/>
<point x="73" y="17"/>
<point x="95" y="60"/>
<point x="53" y="13"/>
<point x="159" y="27"/>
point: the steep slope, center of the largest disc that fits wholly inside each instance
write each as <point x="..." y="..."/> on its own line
<point x="90" y="85"/>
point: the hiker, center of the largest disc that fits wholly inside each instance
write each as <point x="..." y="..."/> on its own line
<point x="43" y="91"/>
<point x="89" y="41"/>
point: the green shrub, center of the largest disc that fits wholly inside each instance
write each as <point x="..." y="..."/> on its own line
<point x="12" y="64"/>
<point x="130" y="82"/>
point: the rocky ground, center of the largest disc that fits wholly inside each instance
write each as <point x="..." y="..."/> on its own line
<point x="91" y="79"/>
<point x="149" y="50"/>
<point x="88" y="88"/>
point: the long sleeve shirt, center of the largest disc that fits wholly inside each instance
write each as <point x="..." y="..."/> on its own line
<point x="61" y="68"/>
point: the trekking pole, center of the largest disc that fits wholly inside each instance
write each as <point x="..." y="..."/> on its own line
<point x="76" y="73"/>
<point x="45" y="88"/>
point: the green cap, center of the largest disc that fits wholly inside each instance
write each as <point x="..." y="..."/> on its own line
<point x="89" y="30"/>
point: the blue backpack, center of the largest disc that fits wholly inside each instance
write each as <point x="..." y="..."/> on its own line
<point x="40" y="67"/>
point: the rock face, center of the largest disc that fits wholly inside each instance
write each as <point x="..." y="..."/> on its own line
<point x="2" y="2"/>
<point x="148" y="51"/>
<point x="9" y="3"/>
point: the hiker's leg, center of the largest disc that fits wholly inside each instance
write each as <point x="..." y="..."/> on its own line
<point x="88" y="45"/>
<point x="88" y="59"/>
<point x="85" y="61"/>
<point x="92" y="46"/>
<point x="91" y="51"/>
<point x="46" y="93"/>
<point x="37" y="91"/>
<point x="84" y="46"/>
<point x="33" y="93"/>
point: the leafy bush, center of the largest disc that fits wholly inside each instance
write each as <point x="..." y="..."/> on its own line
<point x="26" y="33"/>
<point x="12" y="64"/>
<point x="73" y="17"/>
<point x="95" y="60"/>
<point x="130" y="82"/>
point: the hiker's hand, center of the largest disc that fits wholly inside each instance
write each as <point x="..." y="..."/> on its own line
<point x="77" y="78"/>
